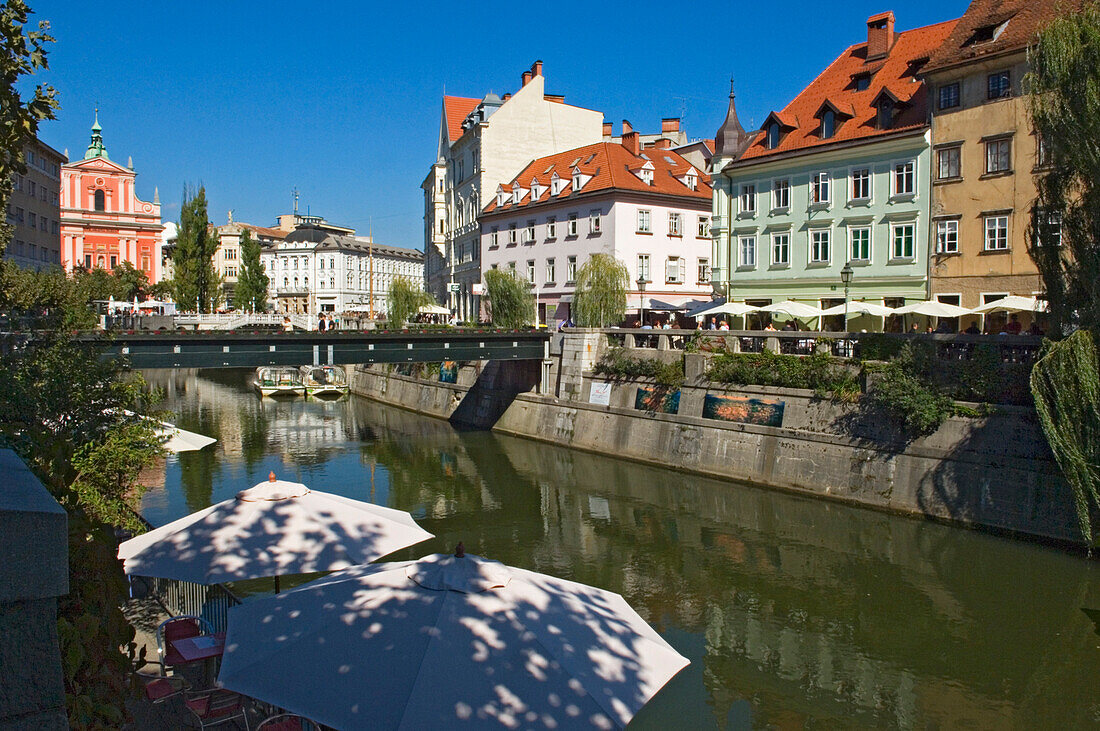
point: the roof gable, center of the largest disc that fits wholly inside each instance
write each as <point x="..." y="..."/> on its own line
<point x="455" y="109"/>
<point x="99" y="163"/>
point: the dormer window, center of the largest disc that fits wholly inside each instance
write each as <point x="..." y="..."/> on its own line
<point x="578" y="182"/>
<point x="691" y="181"/>
<point x="646" y="176"/>
<point x="536" y="190"/>
<point x="502" y="196"/>
<point x="828" y="124"/>
<point x="555" y="185"/>
<point x="517" y="195"/>
<point x="885" y="113"/>
<point x="773" y="135"/>
<point x="863" y="82"/>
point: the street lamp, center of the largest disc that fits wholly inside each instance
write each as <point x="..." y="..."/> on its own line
<point x="846" y="277"/>
<point x="641" y="300"/>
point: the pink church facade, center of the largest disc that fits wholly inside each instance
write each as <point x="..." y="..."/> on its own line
<point x="103" y="222"/>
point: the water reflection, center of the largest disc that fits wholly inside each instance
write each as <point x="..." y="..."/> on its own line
<point x="794" y="612"/>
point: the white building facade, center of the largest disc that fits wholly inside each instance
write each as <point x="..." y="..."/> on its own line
<point x="313" y="271"/>
<point x="649" y="208"/>
<point x="483" y="143"/>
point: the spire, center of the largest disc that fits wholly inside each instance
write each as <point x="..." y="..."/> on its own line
<point x="130" y="162"/>
<point x="96" y="148"/>
<point x="731" y="138"/>
<point x="156" y="195"/>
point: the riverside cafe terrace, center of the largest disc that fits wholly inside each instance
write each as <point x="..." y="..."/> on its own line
<point x="1011" y="315"/>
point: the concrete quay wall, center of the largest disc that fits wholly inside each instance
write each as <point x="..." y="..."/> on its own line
<point x="993" y="472"/>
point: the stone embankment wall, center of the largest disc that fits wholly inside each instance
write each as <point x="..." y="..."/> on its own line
<point x="994" y="472"/>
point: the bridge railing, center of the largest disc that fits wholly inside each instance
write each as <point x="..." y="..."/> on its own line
<point x="1010" y="348"/>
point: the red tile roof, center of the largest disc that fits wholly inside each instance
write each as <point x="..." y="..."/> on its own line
<point x="1025" y="18"/>
<point x="455" y="109"/>
<point x="609" y="164"/>
<point x="836" y="85"/>
<point x="271" y="233"/>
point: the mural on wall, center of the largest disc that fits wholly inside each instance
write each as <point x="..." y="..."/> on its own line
<point x="657" y="399"/>
<point x="448" y="371"/>
<point x="744" y="410"/>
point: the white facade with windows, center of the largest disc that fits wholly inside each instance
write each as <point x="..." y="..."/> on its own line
<point x="482" y="143"/>
<point x="313" y="271"/>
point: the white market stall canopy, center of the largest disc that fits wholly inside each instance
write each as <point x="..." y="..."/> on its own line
<point x="434" y="310"/>
<point x="1012" y="303"/>
<point x="856" y="307"/>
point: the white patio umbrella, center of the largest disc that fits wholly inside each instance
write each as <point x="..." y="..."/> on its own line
<point x="794" y="309"/>
<point x="271" y="529"/>
<point x="858" y="307"/>
<point x="931" y="308"/>
<point x="1012" y="303"/>
<point x="434" y="310"/>
<point x="728" y="308"/>
<point x="445" y="642"/>
<point x="181" y="440"/>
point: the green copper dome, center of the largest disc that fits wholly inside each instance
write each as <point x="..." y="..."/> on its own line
<point x="96" y="148"/>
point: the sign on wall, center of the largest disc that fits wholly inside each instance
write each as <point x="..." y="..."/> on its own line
<point x="600" y="393"/>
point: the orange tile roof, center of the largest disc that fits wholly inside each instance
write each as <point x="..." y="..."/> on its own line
<point x="609" y="164"/>
<point x="836" y="85"/>
<point x="455" y="109"/>
<point x="271" y="233"/>
<point x="1025" y="19"/>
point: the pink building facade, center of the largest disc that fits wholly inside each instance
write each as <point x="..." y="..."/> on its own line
<point x="649" y="208"/>
<point x="103" y="222"/>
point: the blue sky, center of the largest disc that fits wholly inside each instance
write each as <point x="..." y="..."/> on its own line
<point x="342" y="99"/>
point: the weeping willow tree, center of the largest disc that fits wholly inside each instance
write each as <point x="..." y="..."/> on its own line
<point x="1066" y="385"/>
<point x="1064" y="241"/>
<point x="509" y="300"/>
<point x="600" y="296"/>
<point x="404" y="300"/>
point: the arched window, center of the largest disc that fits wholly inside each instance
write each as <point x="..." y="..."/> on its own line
<point x="773" y="136"/>
<point x="295" y="282"/>
<point x="828" y="124"/>
<point x="286" y="282"/>
<point x="100" y="200"/>
<point x="101" y="262"/>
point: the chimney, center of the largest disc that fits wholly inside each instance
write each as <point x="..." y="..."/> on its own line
<point x="631" y="142"/>
<point x="506" y="97"/>
<point x="536" y="69"/>
<point x="627" y="127"/>
<point x="525" y="78"/>
<point x="663" y="144"/>
<point x="670" y="125"/>
<point x="880" y="35"/>
<point x="607" y="129"/>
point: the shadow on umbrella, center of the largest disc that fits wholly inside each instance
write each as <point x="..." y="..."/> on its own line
<point x="448" y="641"/>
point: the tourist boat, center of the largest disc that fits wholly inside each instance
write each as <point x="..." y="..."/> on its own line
<point x="278" y="381"/>
<point x="324" y="380"/>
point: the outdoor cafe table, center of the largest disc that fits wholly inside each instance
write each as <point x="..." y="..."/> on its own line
<point x="202" y="647"/>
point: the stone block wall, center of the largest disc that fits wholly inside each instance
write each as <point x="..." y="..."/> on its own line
<point x="34" y="572"/>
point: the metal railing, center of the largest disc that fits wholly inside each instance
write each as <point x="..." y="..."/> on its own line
<point x="1010" y="348"/>
<point x="211" y="602"/>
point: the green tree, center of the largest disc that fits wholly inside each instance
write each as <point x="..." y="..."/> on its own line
<point x="509" y="300"/>
<point x="74" y="419"/>
<point x="22" y="53"/>
<point x="196" y="282"/>
<point x="1064" y="241"/>
<point x="130" y="282"/>
<point x="403" y="301"/>
<point x="600" y="295"/>
<point x="251" y="293"/>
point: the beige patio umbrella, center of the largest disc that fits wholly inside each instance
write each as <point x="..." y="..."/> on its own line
<point x="1012" y="303"/>
<point x="446" y="642"/>
<point x="275" y="528"/>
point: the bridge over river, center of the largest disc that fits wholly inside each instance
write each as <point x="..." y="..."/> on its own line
<point x="211" y="349"/>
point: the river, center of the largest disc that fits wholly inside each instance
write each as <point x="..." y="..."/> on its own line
<point x="794" y="612"/>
